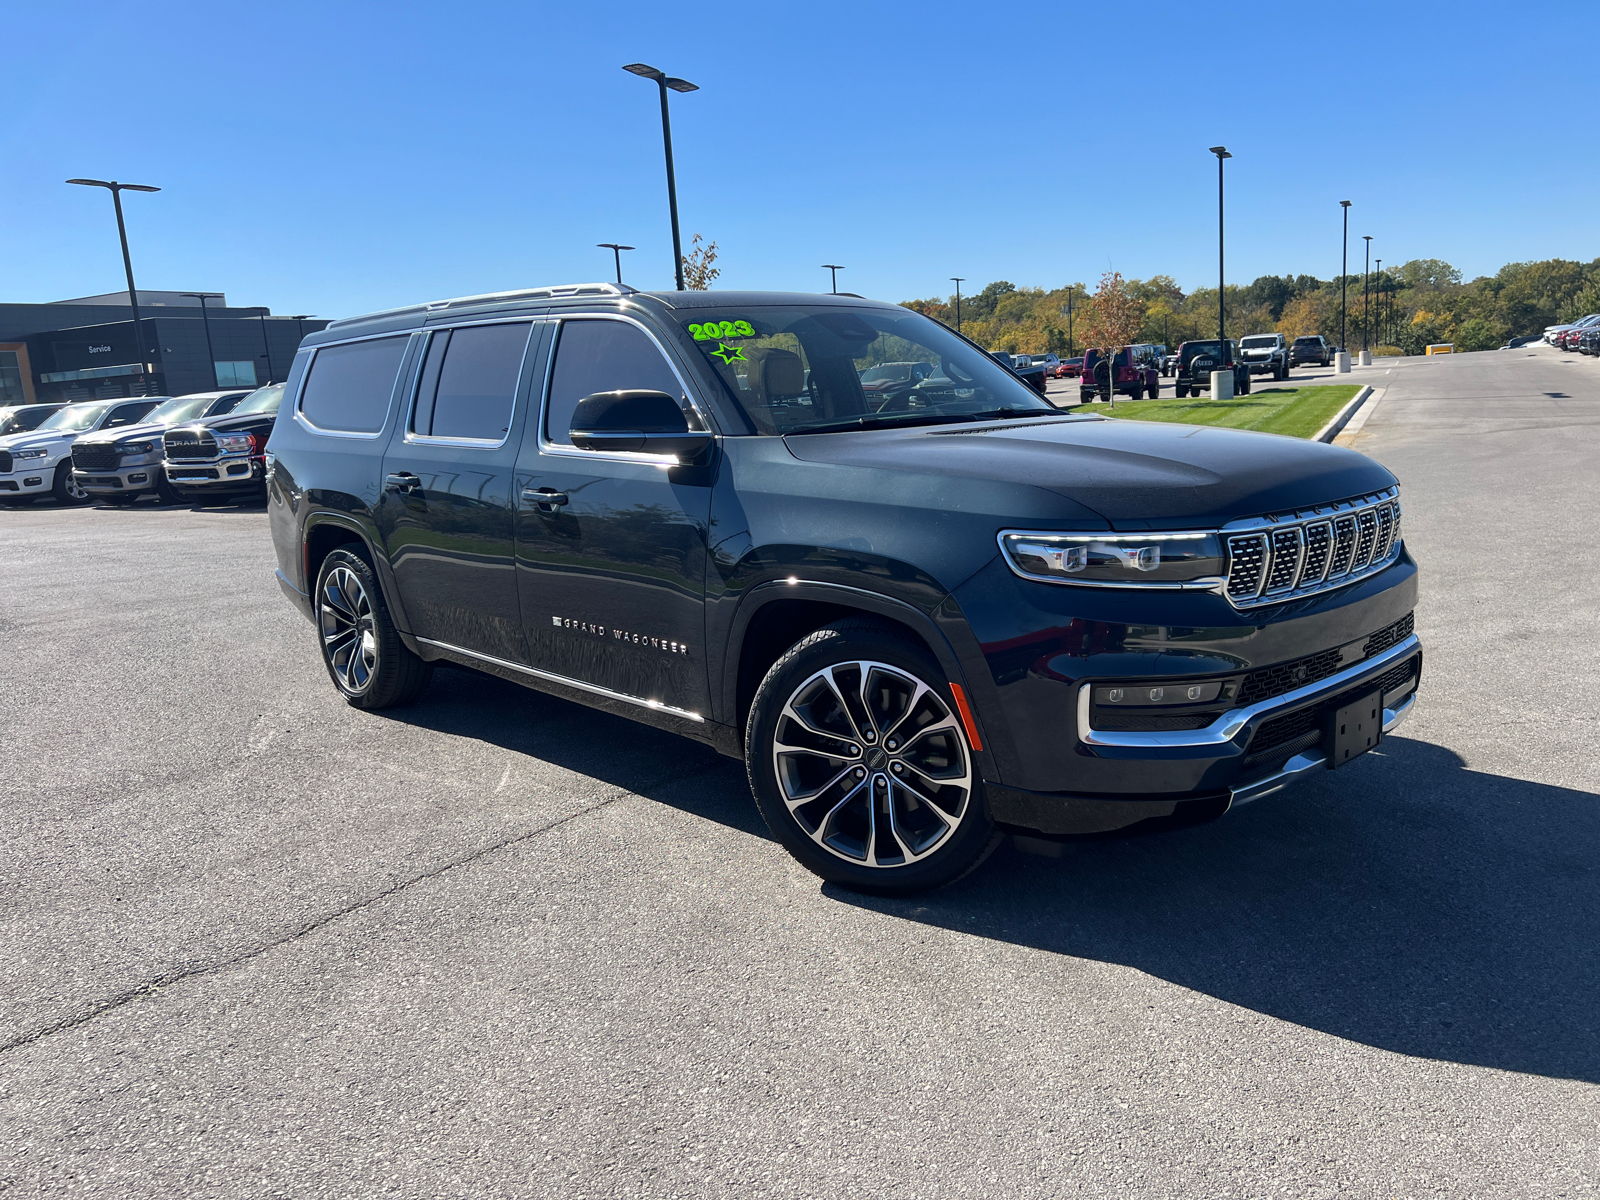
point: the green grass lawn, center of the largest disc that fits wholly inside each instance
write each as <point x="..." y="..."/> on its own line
<point x="1294" y="411"/>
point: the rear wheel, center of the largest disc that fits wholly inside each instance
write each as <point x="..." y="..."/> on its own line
<point x="65" y="489"/>
<point x="1155" y="387"/>
<point x="860" y="763"/>
<point x="1181" y="391"/>
<point x="1244" y="386"/>
<point x="1136" y="392"/>
<point x="367" y="661"/>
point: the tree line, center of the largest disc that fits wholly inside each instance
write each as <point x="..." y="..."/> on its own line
<point x="1417" y="304"/>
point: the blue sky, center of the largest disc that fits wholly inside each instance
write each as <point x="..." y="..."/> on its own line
<point x="337" y="158"/>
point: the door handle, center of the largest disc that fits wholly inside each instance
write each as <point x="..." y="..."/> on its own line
<point x="547" y="499"/>
<point x="403" y="481"/>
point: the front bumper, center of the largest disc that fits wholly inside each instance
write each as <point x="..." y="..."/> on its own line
<point x="225" y="473"/>
<point x="30" y="479"/>
<point x="124" y="480"/>
<point x="1262" y="367"/>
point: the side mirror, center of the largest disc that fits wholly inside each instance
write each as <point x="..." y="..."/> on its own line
<point x="636" y="421"/>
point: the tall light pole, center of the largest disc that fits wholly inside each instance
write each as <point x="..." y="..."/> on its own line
<point x="616" y="253"/>
<point x="1344" y="271"/>
<point x="1378" y="271"/>
<point x="116" y="189"/>
<point x="835" y="268"/>
<point x="211" y="355"/>
<point x="299" y="327"/>
<point x="959" y="279"/>
<point x="666" y="81"/>
<point x="1222" y="328"/>
<point x="1365" y="272"/>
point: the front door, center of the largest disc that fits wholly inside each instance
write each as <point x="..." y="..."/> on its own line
<point x="448" y="511"/>
<point x="611" y="548"/>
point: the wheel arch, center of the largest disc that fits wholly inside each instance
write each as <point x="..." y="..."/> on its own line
<point x="774" y="615"/>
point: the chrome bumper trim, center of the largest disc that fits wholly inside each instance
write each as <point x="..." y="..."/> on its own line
<point x="1226" y="727"/>
<point x="1301" y="765"/>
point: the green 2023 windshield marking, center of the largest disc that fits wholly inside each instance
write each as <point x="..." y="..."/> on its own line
<point x="715" y="331"/>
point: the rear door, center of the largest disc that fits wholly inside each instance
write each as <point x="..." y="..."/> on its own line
<point x="611" y="547"/>
<point x="447" y="511"/>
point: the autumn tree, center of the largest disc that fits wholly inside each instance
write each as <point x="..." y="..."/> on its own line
<point x="1113" y="321"/>
<point x="698" y="271"/>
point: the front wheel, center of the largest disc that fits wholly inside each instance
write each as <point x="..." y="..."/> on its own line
<point x="367" y="661"/>
<point x="1243" y="387"/>
<point x="860" y="763"/>
<point x="65" y="489"/>
<point x="1155" y="388"/>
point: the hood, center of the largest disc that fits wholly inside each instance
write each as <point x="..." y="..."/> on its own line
<point x="38" y="437"/>
<point x="230" y="422"/>
<point x="146" y="432"/>
<point x="1135" y="474"/>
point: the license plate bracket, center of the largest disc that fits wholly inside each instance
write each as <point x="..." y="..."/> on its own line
<point x="1354" y="729"/>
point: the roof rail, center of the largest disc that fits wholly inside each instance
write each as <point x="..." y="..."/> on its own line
<point x="542" y="293"/>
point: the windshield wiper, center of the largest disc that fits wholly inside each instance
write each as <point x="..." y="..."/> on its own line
<point x="995" y="414"/>
<point x="882" y="422"/>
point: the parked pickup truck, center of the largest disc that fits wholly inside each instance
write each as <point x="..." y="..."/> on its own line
<point x="224" y="458"/>
<point x="120" y="466"/>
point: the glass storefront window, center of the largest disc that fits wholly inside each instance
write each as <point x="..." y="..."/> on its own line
<point x="236" y="374"/>
<point x="11" y="379"/>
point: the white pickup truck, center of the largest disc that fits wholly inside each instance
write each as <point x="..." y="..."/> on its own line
<point x="40" y="460"/>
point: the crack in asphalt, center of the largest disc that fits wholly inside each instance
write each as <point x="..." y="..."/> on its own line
<point x="151" y="986"/>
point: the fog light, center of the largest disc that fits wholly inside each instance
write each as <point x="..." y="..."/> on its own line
<point x="1113" y="696"/>
<point x="141" y="477"/>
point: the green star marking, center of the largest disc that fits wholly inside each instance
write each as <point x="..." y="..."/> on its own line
<point x="728" y="354"/>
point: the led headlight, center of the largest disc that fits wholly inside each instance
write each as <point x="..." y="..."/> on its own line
<point x="18" y="455"/>
<point x="1143" y="560"/>
<point x="136" y="447"/>
<point x="236" y="443"/>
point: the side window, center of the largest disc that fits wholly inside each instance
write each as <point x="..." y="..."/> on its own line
<point x="469" y="382"/>
<point x="126" y="414"/>
<point x="349" y="386"/>
<point x="602" y="356"/>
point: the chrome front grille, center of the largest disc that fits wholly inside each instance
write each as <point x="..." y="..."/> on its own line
<point x="190" y="444"/>
<point x="1303" y="553"/>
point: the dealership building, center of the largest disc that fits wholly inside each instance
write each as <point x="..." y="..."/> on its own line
<point x="85" y="349"/>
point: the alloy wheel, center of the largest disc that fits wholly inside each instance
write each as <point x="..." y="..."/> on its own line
<point x="872" y="764"/>
<point x="349" y="637"/>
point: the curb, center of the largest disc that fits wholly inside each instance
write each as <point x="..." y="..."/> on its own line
<point x="1341" y="418"/>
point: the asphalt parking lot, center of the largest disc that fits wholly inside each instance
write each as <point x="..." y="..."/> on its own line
<point x="259" y="943"/>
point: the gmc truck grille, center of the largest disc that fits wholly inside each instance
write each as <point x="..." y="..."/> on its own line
<point x="96" y="458"/>
<point x="185" y="444"/>
<point x="1299" y="556"/>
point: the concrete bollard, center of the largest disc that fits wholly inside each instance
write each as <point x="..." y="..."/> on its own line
<point x="1222" y="385"/>
<point x="1341" y="363"/>
<point x="1366" y="358"/>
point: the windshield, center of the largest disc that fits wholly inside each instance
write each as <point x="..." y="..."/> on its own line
<point x="811" y="369"/>
<point x="1310" y="341"/>
<point x="1258" y="343"/>
<point x="74" y="416"/>
<point x="262" y="400"/>
<point x="183" y="408"/>
<point x="1191" y="349"/>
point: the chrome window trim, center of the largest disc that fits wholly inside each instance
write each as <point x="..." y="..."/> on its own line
<point x="412" y="438"/>
<point x="561" y="450"/>
<point x="1227" y="726"/>
<point x="564" y="681"/>
<point x="306" y="423"/>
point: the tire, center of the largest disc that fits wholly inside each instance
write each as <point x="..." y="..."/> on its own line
<point x="1155" y="388"/>
<point x="1136" y="392"/>
<point x="165" y="492"/>
<point x="1180" y="391"/>
<point x="1243" y="389"/>
<point x="64" y="489"/>
<point x="902" y="816"/>
<point x="365" y="658"/>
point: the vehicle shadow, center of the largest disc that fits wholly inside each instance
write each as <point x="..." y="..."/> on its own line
<point x="1406" y="902"/>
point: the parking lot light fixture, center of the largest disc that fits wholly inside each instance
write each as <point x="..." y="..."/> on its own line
<point x="211" y="355"/>
<point x="958" y="280"/>
<point x="1378" y="271"/>
<point x="116" y="189"/>
<point x="1344" y="272"/>
<point x="616" y="253"/>
<point x="1222" y="325"/>
<point x="1365" y="274"/>
<point x="664" y="82"/>
<point x="835" y="268"/>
